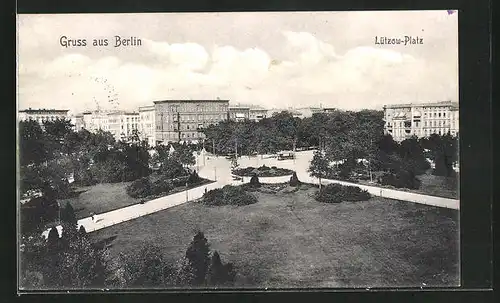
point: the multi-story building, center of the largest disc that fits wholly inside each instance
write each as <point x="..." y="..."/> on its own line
<point x="239" y="113"/>
<point x="95" y="120"/>
<point x="41" y="115"/>
<point x="257" y="113"/>
<point x="78" y="122"/>
<point x="405" y="120"/>
<point x="147" y="124"/>
<point x="181" y="120"/>
<point x="122" y="124"/>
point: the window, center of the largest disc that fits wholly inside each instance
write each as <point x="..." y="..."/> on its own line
<point x="187" y="126"/>
<point x="425" y="123"/>
<point x="439" y="115"/>
<point x="444" y="115"/>
<point x="434" y="115"/>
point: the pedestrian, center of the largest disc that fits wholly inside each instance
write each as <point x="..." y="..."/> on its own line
<point x="205" y="190"/>
<point x="93" y="216"/>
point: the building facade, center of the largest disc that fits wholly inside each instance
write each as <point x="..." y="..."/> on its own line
<point x="405" y="120"/>
<point x="41" y="115"/>
<point x="181" y="120"/>
<point x="239" y="113"/>
<point x="256" y="114"/>
<point x="147" y="124"/>
<point x="78" y="122"/>
<point x="122" y="124"/>
<point x="95" y="120"/>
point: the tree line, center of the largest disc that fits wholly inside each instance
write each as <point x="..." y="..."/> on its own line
<point x="52" y="153"/>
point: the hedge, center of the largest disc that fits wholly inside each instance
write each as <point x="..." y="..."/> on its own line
<point x="336" y="193"/>
<point x="228" y="195"/>
<point x="263" y="171"/>
<point x="400" y="179"/>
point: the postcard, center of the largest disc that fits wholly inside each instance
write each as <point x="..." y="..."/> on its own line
<point x="241" y="150"/>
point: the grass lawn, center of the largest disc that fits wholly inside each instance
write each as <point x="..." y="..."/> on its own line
<point x="100" y="198"/>
<point x="431" y="185"/>
<point x="288" y="239"/>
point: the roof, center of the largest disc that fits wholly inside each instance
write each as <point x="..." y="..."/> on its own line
<point x="121" y="112"/>
<point x="190" y="101"/>
<point x="429" y="104"/>
<point x="146" y="108"/>
<point x="31" y="110"/>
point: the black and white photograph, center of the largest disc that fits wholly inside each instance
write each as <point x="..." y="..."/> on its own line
<point x="238" y="150"/>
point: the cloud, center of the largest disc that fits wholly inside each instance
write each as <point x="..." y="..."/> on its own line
<point x="189" y="56"/>
<point x="303" y="71"/>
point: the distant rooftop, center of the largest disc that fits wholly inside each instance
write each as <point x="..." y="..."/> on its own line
<point x="146" y="108"/>
<point x="189" y="101"/>
<point x="122" y="112"/>
<point x="429" y="104"/>
<point x="32" y="110"/>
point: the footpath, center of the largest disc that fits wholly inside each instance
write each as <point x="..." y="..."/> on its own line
<point x="218" y="169"/>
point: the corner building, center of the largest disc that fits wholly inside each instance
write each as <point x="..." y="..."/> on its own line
<point x="405" y="120"/>
<point x="182" y="120"/>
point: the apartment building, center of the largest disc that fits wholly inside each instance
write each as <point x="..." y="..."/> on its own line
<point x="181" y="120"/>
<point x="147" y="124"/>
<point x="405" y="120"/>
<point x="41" y="115"/>
<point x="257" y="113"/>
<point x="95" y="120"/>
<point x="239" y="113"/>
<point x="122" y="124"/>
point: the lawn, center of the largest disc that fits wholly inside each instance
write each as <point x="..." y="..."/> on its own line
<point x="438" y="186"/>
<point x="100" y="198"/>
<point x="288" y="239"/>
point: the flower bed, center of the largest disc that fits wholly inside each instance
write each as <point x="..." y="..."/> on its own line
<point x="263" y="171"/>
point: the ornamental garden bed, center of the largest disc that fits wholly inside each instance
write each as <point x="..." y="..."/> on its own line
<point x="263" y="171"/>
<point x="155" y="186"/>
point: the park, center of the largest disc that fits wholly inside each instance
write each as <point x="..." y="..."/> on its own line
<point x="389" y="220"/>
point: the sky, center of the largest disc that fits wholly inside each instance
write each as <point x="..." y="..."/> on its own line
<point x="268" y="59"/>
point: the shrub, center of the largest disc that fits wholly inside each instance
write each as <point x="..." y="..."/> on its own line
<point x="336" y="193"/>
<point x="198" y="255"/>
<point x="140" y="188"/>
<point x="263" y="171"/>
<point x="294" y="180"/>
<point x="228" y="195"/>
<point x="400" y="179"/>
<point x="193" y="178"/>
<point x="254" y="181"/>
<point x="161" y="186"/>
<point x="37" y="212"/>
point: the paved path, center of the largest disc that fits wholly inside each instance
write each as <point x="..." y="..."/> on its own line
<point x="219" y="169"/>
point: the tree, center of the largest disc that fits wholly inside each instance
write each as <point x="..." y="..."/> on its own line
<point x="56" y="131"/>
<point x="32" y="144"/>
<point x="68" y="215"/>
<point x="254" y="181"/>
<point x="184" y="155"/>
<point x="83" y="265"/>
<point x="147" y="267"/>
<point x="294" y="180"/>
<point x="319" y="166"/>
<point x="216" y="273"/>
<point x="53" y="239"/>
<point x="82" y="232"/>
<point x="198" y="256"/>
